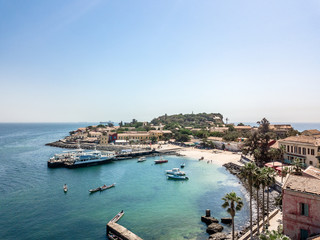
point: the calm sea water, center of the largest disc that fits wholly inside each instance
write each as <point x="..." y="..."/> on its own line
<point x="34" y="206"/>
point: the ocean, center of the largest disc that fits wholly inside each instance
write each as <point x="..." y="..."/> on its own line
<point x="34" y="206"/>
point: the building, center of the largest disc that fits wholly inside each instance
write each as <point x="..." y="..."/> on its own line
<point x="159" y="133"/>
<point x="134" y="136"/>
<point x="108" y="138"/>
<point x="243" y="128"/>
<point x="301" y="207"/>
<point x="311" y="132"/>
<point x="304" y="148"/>
<point x="281" y="130"/>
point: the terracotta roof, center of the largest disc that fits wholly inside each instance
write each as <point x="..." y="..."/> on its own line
<point x="313" y="172"/>
<point x="302" y="184"/>
<point x="302" y="139"/>
<point x="311" y="132"/>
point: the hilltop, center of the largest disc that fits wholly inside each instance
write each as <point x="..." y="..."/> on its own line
<point x="200" y="120"/>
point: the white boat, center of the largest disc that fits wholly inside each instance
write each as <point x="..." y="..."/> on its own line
<point x="175" y="171"/>
<point x="142" y="159"/>
<point x="80" y="157"/>
<point x="65" y="188"/>
<point x="177" y="177"/>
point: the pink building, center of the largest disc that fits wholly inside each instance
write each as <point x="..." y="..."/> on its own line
<point x="301" y="207"/>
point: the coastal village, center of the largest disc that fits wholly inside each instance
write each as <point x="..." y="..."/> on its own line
<point x="269" y="159"/>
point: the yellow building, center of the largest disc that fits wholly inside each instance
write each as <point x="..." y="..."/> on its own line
<point x="134" y="136"/>
<point x="304" y="148"/>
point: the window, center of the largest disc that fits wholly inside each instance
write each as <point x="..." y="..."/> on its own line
<point x="308" y="151"/>
<point x="288" y="148"/>
<point x="295" y="149"/>
<point x="292" y="149"/>
<point x="304" y="151"/>
<point x="299" y="150"/>
<point x="304" y="209"/>
<point x="310" y="162"/>
<point x="312" y="151"/>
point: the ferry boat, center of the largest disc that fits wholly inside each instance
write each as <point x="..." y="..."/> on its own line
<point x="175" y="171"/>
<point x="80" y="158"/>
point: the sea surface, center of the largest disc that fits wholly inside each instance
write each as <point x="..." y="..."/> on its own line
<point x="34" y="206"/>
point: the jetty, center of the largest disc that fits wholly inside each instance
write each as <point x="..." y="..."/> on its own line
<point x="115" y="231"/>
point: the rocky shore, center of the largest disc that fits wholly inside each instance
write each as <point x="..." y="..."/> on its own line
<point x="273" y="194"/>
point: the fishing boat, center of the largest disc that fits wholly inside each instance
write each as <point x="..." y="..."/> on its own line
<point x="95" y="190"/>
<point x="65" y="188"/>
<point x="104" y="187"/>
<point x="175" y="171"/>
<point x="182" y="165"/>
<point x="177" y="177"/>
<point x="142" y="159"/>
<point x="117" y="217"/>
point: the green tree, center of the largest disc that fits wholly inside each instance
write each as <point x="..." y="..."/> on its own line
<point x="153" y="139"/>
<point x="233" y="203"/>
<point x="247" y="173"/>
<point x="273" y="235"/>
<point x="240" y="124"/>
<point x="297" y="167"/>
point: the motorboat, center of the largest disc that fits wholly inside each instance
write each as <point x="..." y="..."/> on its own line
<point x="142" y="159"/>
<point x="177" y="177"/>
<point x="161" y="160"/>
<point x="175" y="171"/>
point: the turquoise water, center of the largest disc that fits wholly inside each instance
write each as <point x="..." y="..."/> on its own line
<point x="34" y="206"/>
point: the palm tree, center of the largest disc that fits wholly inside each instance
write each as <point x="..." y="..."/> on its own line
<point x="257" y="183"/>
<point x="263" y="184"/>
<point x="233" y="203"/>
<point x="247" y="172"/>
<point x="270" y="180"/>
<point x="297" y="167"/>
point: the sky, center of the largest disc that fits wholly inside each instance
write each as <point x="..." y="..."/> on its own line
<point x="100" y="60"/>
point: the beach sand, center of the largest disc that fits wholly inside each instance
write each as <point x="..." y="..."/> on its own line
<point x="217" y="156"/>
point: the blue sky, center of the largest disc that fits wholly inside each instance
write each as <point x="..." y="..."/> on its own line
<point x="71" y="61"/>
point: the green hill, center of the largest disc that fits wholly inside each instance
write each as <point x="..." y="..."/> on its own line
<point x="190" y="120"/>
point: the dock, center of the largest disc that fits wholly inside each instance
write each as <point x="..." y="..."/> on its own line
<point x="115" y="231"/>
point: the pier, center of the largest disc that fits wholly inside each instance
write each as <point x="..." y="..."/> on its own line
<point x="116" y="231"/>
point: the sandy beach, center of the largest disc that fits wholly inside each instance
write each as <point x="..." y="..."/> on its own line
<point x="214" y="156"/>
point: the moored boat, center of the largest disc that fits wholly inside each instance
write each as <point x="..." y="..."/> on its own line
<point x="161" y="160"/>
<point x="175" y="171"/>
<point x="65" y="188"/>
<point x="117" y="217"/>
<point x="95" y="190"/>
<point x="142" y="159"/>
<point x="177" y="177"/>
<point x="104" y="187"/>
<point x="182" y="165"/>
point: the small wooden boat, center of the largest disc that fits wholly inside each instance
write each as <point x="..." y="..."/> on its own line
<point x="161" y="160"/>
<point x="95" y="190"/>
<point x="117" y="217"/>
<point x="104" y="187"/>
<point x="65" y="188"/>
